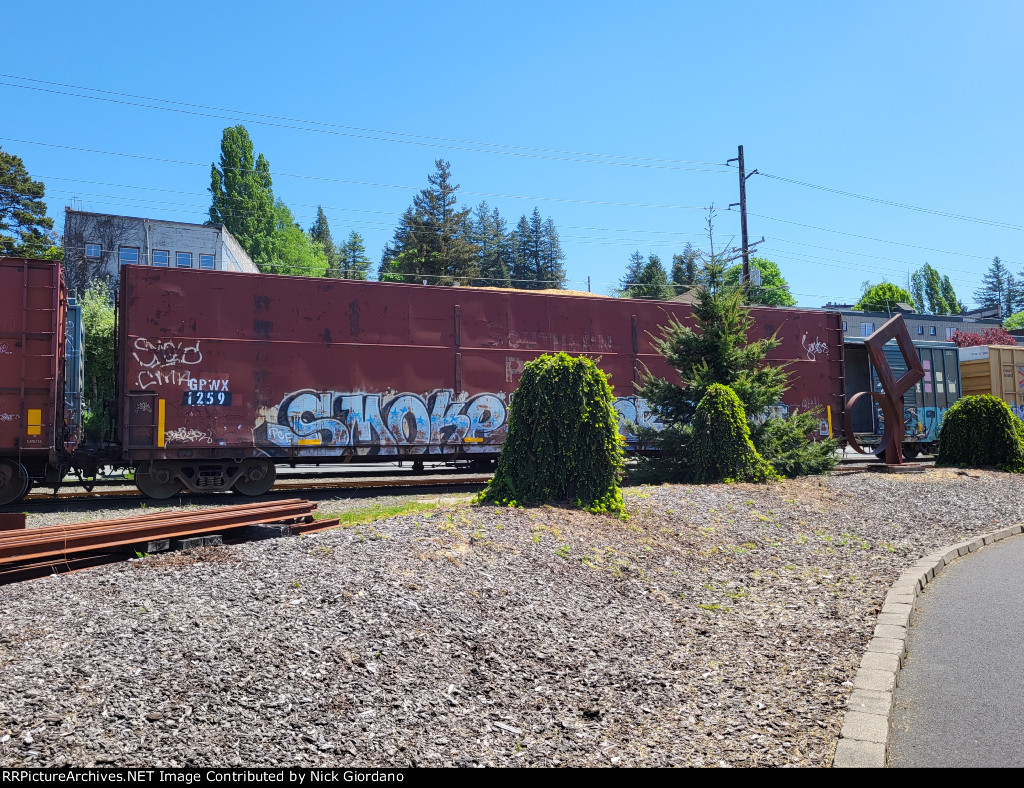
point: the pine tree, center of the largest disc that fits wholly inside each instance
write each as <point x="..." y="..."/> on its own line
<point x="24" y="226"/>
<point x="998" y="289"/>
<point x="488" y="235"/>
<point x="684" y="270"/>
<point x="352" y="260"/>
<point x="243" y="196"/>
<point x="433" y="240"/>
<point x="552" y="272"/>
<point x="717" y="352"/>
<point x="321" y="233"/>
<point x="631" y="277"/>
<point x="522" y="271"/>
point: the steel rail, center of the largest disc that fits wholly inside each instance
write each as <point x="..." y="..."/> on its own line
<point x="52" y="541"/>
<point x="444" y="481"/>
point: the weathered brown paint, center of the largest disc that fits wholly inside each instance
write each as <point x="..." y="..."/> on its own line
<point x="265" y="336"/>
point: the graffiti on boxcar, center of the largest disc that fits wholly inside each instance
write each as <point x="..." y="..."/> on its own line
<point x="174" y="377"/>
<point x="813" y="349"/>
<point x="635" y="410"/>
<point x="8" y="417"/>
<point x="383" y="424"/>
<point x="570" y="343"/>
<point x="187" y="435"/>
<point x="322" y="422"/>
<point x="4" y="349"/>
<point x="162" y="353"/>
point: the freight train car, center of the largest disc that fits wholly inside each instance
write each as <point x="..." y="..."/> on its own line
<point x="923" y="406"/>
<point x="33" y="320"/>
<point x="222" y="376"/>
<point x="997" y="370"/>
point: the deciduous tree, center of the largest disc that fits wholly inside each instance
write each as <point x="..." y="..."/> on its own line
<point x="883" y="297"/>
<point x="773" y="290"/>
<point x="243" y="196"/>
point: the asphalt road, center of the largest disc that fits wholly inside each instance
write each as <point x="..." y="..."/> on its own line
<point x="960" y="698"/>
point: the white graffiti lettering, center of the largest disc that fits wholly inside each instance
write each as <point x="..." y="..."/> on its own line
<point x="814" y="349"/>
<point x="4" y="349"/>
<point x="8" y="417"/>
<point x="187" y="435"/>
<point x="174" y="377"/>
<point x="160" y="353"/>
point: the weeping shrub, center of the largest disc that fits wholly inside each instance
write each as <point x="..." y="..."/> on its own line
<point x="980" y="431"/>
<point x="563" y="443"/>
<point x="722" y="447"/>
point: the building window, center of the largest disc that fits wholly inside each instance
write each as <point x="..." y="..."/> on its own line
<point x="949" y="332"/>
<point x="92" y="251"/>
<point x="931" y="331"/>
<point x="183" y="259"/>
<point x="920" y="330"/>
<point x="128" y="255"/>
<point x="206" y="262"/>
<point x="867" y="329"/>
<point x="161" y="257"/>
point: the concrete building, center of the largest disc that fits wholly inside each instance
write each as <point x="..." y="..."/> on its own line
<point x="930" y="328"/>
<point x="96" y="245"/>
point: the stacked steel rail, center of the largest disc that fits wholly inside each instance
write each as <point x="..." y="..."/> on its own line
<point x="58" y="548"/>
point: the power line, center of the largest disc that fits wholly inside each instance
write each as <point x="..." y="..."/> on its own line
<point x="438" y="142"/>
<point x="493" y="195"/>
<point x="906" y="206"/>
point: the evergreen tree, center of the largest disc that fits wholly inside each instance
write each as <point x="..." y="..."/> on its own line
<point x="352" y="260"/>
<point x="631" y="278"/>
<point x="998" y="289"/>
<point x="522" y="272"/>
<point x="488" y="235"/>
<point x="25" y="229"/>
<point x="552" y="272"/>
<point x="646" y="278"/>
<point x="432" y="241"/>
<point x="717" y="352"/>
<point x="684" y="269"/>
<point x="243" y="196"/>
<point x="321" y="233"/>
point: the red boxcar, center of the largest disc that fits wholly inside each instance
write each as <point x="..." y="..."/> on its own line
<point x="33" y="316"/>
<point x="225" y="374"/>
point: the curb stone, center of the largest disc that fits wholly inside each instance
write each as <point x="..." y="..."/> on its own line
<point x="863" y="741"/>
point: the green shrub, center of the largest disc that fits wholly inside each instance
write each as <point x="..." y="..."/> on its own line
<point x="563" y="443"/>
<point x="787" y="444"/>
<point x="721" y="441"/>
<point x="981" y="431"/>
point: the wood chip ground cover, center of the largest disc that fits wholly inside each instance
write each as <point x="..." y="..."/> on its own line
<point x="719" y="625"/>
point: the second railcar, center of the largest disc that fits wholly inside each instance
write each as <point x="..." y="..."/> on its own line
<point x="923" y="406"/>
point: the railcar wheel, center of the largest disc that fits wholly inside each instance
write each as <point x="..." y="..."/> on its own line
<point x="14" y="482"/>
<point x="257" y="477"/>
<point x="159" y="485"/>
<point x="911" y="451"/>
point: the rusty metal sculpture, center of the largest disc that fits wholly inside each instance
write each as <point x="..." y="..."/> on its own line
<point x="890" y="399"/>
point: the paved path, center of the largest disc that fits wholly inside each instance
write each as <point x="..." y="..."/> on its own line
<point x="960" y="699"/>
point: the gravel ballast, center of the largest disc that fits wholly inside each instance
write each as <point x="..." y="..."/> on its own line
<point x="719" y="625"/>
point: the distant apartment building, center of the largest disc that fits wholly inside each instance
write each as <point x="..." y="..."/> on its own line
<point x="96" y="245"/>
<point x="930" y="328"/>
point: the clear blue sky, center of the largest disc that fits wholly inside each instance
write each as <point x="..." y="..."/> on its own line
<point x="914" y="103"/>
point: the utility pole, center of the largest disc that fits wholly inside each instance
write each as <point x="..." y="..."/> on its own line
<point x="745" y="280"/>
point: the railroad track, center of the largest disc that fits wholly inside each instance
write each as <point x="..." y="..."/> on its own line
<point x="319" y="484"/>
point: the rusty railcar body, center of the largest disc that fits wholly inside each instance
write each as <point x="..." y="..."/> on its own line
<point x="34" y="436"/>
<point x="225" y="375"/>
